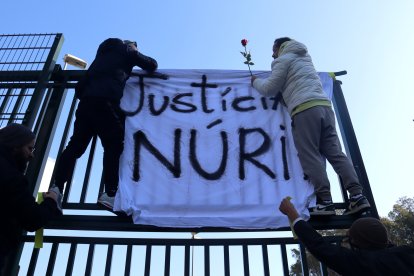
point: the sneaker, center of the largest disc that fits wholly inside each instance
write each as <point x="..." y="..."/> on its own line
<point x="357" y="203"/>
<point x="107" y="201"/>
<point x="326" y="208"/>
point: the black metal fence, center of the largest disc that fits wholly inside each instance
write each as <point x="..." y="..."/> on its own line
<point x="35" y="91"/>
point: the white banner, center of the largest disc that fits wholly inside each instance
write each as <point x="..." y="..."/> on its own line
<point x="204" y="149"/>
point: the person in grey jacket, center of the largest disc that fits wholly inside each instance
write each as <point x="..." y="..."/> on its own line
<point x="313" y="124"/>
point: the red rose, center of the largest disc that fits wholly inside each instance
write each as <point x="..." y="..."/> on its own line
<point x="246" y="55"/>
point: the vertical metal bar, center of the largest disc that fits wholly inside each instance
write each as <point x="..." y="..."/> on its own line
<point x="4" y="53"/>
<point x="43" y="108"/>
<point x="89" y="260"/>
<point x="351" y="143"/>
<point x="128" y="260"/>
<point x="88" y="169"/>
<point x="25" y="52"/>
<point x="33" y="262"/>
<point x="17" y="105"/>
<point x="47" y="71"/>
<point x="37" y="37"/>
<point x="19" y="42"/>
<point x="5" y="101"/>
<point x="109" y="259"/>
<point x="43" y="51"/>
<point x="63" y="143"/>
<point x="8" y="55"/>
<point x="52" y="259"/>
<point x="37" y="52"/>
<point x="324" y="269"/>
<point x="265" y="256"/>
<point x="284" y="259"/>
<point x="148" y="260"/>
<point x="304" y="260"/>
<point x="71" y="259"/>
<point x="187" y="260"/>
<point x="46" y="130"/>
<point x="207" y="260"/>
<point x="246" y="260"/>
<point x="226" y="260"/>
<point x="167" y="260"/>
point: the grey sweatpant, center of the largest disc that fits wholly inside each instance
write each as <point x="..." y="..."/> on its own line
<point x="315" y="137"/>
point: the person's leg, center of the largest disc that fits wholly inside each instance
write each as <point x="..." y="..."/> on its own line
<point x="111" y="132"/>
<point x="82" y="134"/>
<point x="331" y="148"/>
<point x="306" y="130"/>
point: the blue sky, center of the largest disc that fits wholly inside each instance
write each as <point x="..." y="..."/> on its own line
<point x="370" y="39"/>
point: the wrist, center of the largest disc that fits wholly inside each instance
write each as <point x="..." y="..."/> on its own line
<point x="293" y="215"/>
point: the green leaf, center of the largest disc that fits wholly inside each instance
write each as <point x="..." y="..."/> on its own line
<point x="246" y="62"/>
<point x="251" y="63"/>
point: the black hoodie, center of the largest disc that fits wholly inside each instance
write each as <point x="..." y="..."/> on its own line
<point x="108" y="73"/>
<point x="18" y="208"/>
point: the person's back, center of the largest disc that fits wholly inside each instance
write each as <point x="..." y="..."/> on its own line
<point x="394" y="260"/>
<point x="302" y="80"/>
<point x="112" y="66"/>
<point x="370" y="252"/>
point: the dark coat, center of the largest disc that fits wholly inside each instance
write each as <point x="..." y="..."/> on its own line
<point x="112" y="66"/>
<point x="19" y="210"/>
<point x="397" y="260"/>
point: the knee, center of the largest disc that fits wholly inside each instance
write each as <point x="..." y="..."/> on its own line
<point x="73" y="150"/>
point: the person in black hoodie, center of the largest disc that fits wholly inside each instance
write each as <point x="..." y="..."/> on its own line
<point x="19" y="210"/>
<point x="99" y="113"/>
<point x="370" y="251"/>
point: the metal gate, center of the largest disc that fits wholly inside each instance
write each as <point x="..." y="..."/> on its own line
<point x="37" y="92"/>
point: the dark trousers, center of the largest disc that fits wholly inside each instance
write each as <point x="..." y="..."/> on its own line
<point x="95" y="116"/>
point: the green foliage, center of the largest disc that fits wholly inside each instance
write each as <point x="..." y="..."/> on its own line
<point x="400" y="222"/>
<point x="313" y="265"/>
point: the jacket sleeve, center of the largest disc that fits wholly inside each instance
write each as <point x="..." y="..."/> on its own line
<point x="338" y="258"/>
<point x="276" y="81"/>
<point x="32" y="215"/>
<point x="144" y="62"/>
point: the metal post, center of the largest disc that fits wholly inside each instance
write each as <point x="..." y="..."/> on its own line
<point x="351" y="143"/>
<point x="46" y="129"/>
<point x="47" y="71"/>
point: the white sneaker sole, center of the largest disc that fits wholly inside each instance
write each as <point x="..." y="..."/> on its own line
<point x="106" y="204"/>
<point x="357" y="209"/>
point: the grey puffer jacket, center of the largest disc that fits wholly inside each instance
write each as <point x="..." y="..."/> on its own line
<point x="294" y="75"/>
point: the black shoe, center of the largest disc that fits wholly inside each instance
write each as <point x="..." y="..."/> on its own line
<point x="326" y="208"/>
<point x="357" y="204"/>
